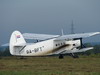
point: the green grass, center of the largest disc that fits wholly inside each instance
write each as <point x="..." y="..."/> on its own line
<point x="46" y="73"/>
<point x="50" y="66"/>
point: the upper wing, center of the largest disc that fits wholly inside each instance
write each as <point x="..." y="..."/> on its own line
<point x="38" y="36"/>
<point x="58" y="37"/>
<point x="75" y="36"/>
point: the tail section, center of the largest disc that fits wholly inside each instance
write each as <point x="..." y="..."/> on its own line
<point x="17" y="42"/>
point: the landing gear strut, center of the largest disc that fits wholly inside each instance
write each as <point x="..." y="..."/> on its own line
<point x="74" y="56"/>
<point x="61" y="56"/>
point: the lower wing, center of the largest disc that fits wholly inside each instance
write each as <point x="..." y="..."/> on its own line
<point x="75" y="50"/>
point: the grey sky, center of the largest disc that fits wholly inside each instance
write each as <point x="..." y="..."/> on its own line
<point x="48" y="16"/>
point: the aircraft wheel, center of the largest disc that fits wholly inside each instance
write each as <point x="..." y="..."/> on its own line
<point x="76" y="56"/>
<point x="21" y="57"/>
<point x="61" y="56"/>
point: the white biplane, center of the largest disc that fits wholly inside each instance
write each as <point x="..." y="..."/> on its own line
<point x="50" y="44"/>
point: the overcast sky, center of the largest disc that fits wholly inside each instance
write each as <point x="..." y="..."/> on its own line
<point x="48" y="16"/>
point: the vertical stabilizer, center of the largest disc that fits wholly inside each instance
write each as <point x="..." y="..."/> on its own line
<point x="16" y="43"/>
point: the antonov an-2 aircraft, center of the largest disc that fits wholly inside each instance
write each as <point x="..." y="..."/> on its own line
<point x="50" y="44"/>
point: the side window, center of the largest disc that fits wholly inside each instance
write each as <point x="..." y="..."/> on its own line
<point x="56" y="45"/>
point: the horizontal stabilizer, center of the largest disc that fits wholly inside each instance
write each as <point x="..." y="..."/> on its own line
<point x="19" y="45"/>
<point x="7" y="44"/>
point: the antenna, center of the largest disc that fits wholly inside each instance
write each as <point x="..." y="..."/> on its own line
<point x="72" y="28"/>
<point x="62" y="32"/>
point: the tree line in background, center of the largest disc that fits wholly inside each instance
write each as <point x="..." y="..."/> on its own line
<point x="96" y="50"/>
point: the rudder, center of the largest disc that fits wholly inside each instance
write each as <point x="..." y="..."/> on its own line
<point x="17" y="41"/>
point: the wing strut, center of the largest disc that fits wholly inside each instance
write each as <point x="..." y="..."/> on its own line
<point x="82" y="46"/>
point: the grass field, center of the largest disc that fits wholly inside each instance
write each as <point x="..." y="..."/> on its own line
<point x="50" y="66"/>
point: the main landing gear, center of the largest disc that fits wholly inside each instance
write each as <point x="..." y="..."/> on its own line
<point x="61" y="56"/>
<point x="74" y="55"/>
